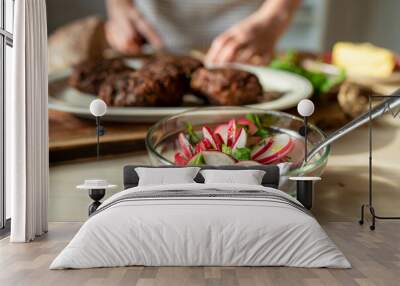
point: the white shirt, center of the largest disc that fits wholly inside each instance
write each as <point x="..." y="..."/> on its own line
<point x="184" y="25"/>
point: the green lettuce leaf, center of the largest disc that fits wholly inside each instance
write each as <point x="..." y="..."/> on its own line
<point x="242" y="154"/>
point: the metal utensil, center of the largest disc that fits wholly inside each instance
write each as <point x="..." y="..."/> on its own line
<point x="387" y="105"/>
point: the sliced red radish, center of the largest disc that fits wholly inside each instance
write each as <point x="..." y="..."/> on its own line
<point x="218" y="140"/>
<point x="180" y="160"/>
<point x="187" y="148"/>
<point x="246" y="122"/>
<point x="203" y="145"/>
<point x="231" y="132"/>
<point x="199" y="147"/>
<point x="261" y="148"/>
<point x="222" y="131"/>
<point x="208" y="134"/>
<point x="281" y="146"/>
<point x="248" y="163"/>
<point x="217" y="158"/>
<point x="297" y="153"/>
<point x="241" y="139"/>
<point x="207" y="143"/>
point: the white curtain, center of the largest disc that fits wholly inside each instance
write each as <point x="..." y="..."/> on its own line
<point x="27" y="123"/>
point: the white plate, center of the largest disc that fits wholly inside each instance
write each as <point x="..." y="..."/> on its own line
<point x="294" y="87"/>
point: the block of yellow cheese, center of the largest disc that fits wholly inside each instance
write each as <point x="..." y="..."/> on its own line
<point x="363" y="59"/>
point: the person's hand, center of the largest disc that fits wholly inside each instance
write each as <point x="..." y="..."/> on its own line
<point x="253" y="39"/>
<point x="248" y="42"/>
<point x="127" y="30"/>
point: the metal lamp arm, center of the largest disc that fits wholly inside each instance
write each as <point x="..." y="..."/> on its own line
<point x="380" y="109"/>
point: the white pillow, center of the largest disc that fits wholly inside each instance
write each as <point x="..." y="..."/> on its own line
<point x="164" y="176"/>
<point x="247" y="177"/>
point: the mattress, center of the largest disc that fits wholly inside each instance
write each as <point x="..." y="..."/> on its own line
<point x="201" y="225"/>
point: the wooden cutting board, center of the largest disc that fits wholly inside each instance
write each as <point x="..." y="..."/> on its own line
<point x="72" y="138"/>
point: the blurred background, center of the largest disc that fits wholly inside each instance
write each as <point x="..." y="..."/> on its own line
<point x="317" y="25"/>
<point x="323" y="44"/>
<point x="76" y="34"/>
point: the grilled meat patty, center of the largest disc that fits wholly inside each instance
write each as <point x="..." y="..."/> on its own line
<point x="185" y="64"/>
<point x="89" y="75"/>
<point x="144" y="87"/>
<point x="226" y="86"/>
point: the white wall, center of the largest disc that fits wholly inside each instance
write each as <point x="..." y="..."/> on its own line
<point x="375" y="21"/>
<point x="63" y="11"/>
<point x="383" y="23"/>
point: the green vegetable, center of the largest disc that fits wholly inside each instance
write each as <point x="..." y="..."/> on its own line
<point x="226" y="149"/>
<point x="242" y="154"/>
<point x="320" y="81"/>
<point x="332" y="82"/>
<point x="197" y="160"/>
<point x="193" y="137"/>
<point x="263" y="133"/>
<point x="255" y="119"/>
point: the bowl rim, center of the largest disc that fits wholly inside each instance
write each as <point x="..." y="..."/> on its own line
<point x="298" y="171"/>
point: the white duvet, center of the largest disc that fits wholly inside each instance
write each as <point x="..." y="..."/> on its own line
<point x="192" y="231"/>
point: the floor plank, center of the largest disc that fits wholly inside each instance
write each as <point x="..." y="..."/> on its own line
<point x="375" y="257"/>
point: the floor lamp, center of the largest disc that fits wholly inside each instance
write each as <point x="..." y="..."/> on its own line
<point x="98" y="108"/>
<point x="370" y="189"/>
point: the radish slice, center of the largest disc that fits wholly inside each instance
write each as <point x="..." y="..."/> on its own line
<point x="241" y="139"/>
<point x="218" y="140"/>
<point x="245" y="122"/>
<point x="261" y="149"/>
<point x="199" y="147"/>
<point x="297" y="153"/>
<point x="208" y="134"/>
<point x="185" y="145"/>
<point x="206" y="143"/>
<point x="217" y="158"/>
<point x="222" y="131"/>
<point x="248" y="163"/>
<point x="180" y="160"/>
<point x="231" y="132"/>
<point x="282" y="144"/>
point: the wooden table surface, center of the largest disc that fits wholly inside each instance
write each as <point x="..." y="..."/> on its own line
<point x="71" y="137"/>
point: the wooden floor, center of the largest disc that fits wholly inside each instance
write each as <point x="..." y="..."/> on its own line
<point x="375" y="257"/>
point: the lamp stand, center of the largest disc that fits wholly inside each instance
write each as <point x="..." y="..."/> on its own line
<point x="305" y="138"/>
<point x="369" y="205"/>
<point x="96" y="195"/>
<point x="99" y="132"/>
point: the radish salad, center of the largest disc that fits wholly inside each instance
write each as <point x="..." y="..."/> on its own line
<point x="243" y="141"/>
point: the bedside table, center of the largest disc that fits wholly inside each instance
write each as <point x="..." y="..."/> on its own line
<point x="304" y="192"/>
<point x="97" y="190"/>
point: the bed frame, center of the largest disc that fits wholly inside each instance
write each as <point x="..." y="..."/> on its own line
<point x="271" y="177"/>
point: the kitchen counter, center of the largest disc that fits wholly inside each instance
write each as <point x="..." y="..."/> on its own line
<point x="338" y="197"/>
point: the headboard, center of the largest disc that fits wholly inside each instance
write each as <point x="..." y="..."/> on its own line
<point x="271" y="177"/>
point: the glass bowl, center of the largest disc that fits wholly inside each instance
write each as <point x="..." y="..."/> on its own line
<point x="161" y="139"/>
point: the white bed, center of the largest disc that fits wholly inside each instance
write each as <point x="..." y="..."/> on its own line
<point x="201" y="224"/>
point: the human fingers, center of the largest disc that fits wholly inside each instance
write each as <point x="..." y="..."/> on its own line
<point x="230" y="51"/>
<point x="119" y="41"/>
<point x="148" y="31"/>
<point x="216" y="47"/>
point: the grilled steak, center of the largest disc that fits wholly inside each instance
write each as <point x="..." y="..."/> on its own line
<point x="226" y="86"/>
<point x="89" y="75"/>
<point x="144" y="87"/>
